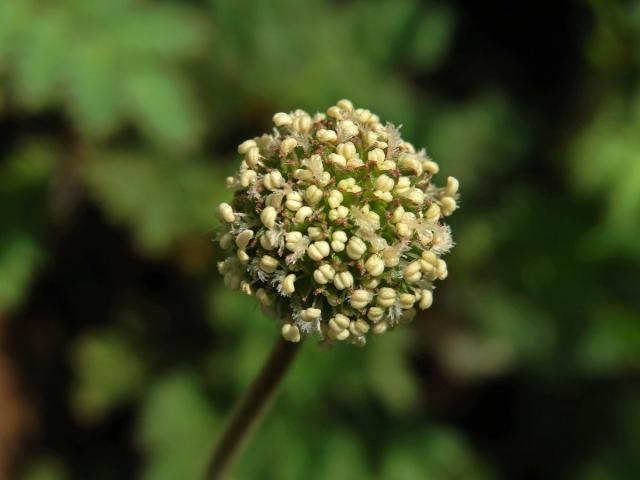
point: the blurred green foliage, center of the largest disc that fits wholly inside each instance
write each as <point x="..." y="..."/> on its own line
<point x="118" y="123"/>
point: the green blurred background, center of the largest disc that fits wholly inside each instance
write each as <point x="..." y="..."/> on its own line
<point x="121" y="351"/>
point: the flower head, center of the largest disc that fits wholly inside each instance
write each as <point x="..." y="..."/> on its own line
<point x="335" y="225"/>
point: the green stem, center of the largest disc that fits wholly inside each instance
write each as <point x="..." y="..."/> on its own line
<point x="251" y="408"/>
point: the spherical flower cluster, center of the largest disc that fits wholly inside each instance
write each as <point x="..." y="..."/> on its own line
<point x="335" y="225"/>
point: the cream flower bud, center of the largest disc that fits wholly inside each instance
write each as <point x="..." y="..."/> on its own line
<point x="339" y="212"/>
<point x="374" y="265"/>
<point x="339" y="323"/>
<point x="370" y="283"/>
<point x="334" y="112"/>
<point x="397" y="214"/>
<point x="411" y="164"/>
<point x="449" y="205"/>
<point x="269" y="240"/>
<point x="338" y="240"/>
<point x="335" y="198"/>
<point x="293" y="239"/>
<point x="291" y="333"/>
<point x="358" y="327"/>
<point x="225" y="212"/>
<point x="384" y="183"/>
<point x="282" y="119"/>
<point x="441" y="269"/>
<point x="288" y="284"/>
<point x="303" y="213"/>
<point x="362" y="115"/>
<point x="433" y="213"/>
<point x="287" y="145"/>
<point x="337" y="160"/>
<point x="347" y="150"/>
<point x="390" y="257"/>
<point x="360" y="298"/>
<point x="403" y="186"/>
<point x="412" y="272"/>
<point x="426" y="299"/>
<point x="315" y="233"/>
<point x="349" y="185"/>
<point x="248" y="177"/>
<point x="301" y="124"/>
<point x="326" y="136"/>
<point x="243" y="256"/>
<point x="343" y="335"/>
<point x="263" y="297"/>
<point x="313" y="194"/>
<point x="376" y="155"/>
<point x="226" y="240"/>
<point x="245" y="146"/>
<point x="380" y="327"/>
<point x="375" y="314"/>
<point x="370" y="138"/>
<point x="324" y="274"/>
<point x="452" y="186"/>
<point x="430" y="166"/>
<point x="345" y="104"/>
<point x="430" y="257"/>
<point x="310" y="314"/>
<point x="416" y="196"/>
<point x="294" y="201"/>
<point x="386" y="297"/>
<point x="347" y="129"/>
<point x="403" y="230"/>
<point x="343" y="280"/>
<point x="318" y="250"/>
<point x="252" y="157"/>
<point x="273" y="180"/>
<point x="230" y="182"/>
<point x="268" y="264"/>
<point x="356" y="248"/>
<point x="268" y="217"/>
<point x="406" y="300"/>
<point x="243" y="239"/>
<point x="274" y="199"/>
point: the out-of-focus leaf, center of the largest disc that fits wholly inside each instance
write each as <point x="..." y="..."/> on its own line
<point x="176" y="428"/>
<point x="108" y="372"/>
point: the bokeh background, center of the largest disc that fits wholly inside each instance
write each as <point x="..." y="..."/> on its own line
<point x="121" y="351"/>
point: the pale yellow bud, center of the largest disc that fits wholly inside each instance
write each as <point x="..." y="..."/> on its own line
<point x="433" y="213"/>
<point x="288" y="284"/>
<point x="403" y="185"/>
<point x="384" y="183"/>
<point x="356" y="248"/>
<point x="380" y="327"/>
<point x="248" y="177"/>
<point x="370" y="283"/>
<point x="343" y="280"/>
<point x="243" y="256"/>
<point x="302" y="123"/>
<point x="397" y="215"/>
<point x="430" y="166"/>
<point x="362" y="115"/>
<point x="386" y="297"/>
<point x="310" y="314"/>
<point x="273" y="180"/>
<point x="339" y="323"/>
<point x="376" y="155"/>
<point x="268" y="264"/>
<point x="441" y="269"/>
<point x="347" y="129"/>
<point x="374" y="265"/>
<point x="383" y="196"/>
<point x="416" y="196"/>
<point x="403" y="230"/>
<point x="345" y="104"/>
<point x="360" y="298"/>
<point x="426" y="299"/>
<point x="245" y="146"/>
<point x="343" y="335"/>
<point x="406" y="300"/>
<point x="252" y="157"/>
<point x="411" y="164"/>
<point x="313" y="194"/>
<point x="334" y="112"/>
<point x="318" y="250"/>
<point x="287" y="145"/>
<point x="274" y="199"/>
<point x="291" y="333"/>
<point x="375" y="314"/>
<point x="335" y="198"/>
<point x="349" y="185"/>
<point x="452" y="186"/>
<point x="315" y="233"/>
<point x="225" y="241"/>
<point x="230" y="182"/>
<point x="339" y="212"/>
<point x="347" y="150"/>
<point x="268" y="240"/>
<point x="243" y="239"/>
<point x="294" y="201"/>
<point x="292" y="240"/>
<point x="324" y="274"/>
<point x="282" y="119"/>
<point x="337" y="160"/>
<point x="326" y="136"/>
<point x="359" y="327"/>
<point x="268" y="217"/>
<point x="412" y="272"/>
<point x="225" y="212"/>
<point x="449" y="205"/>
<point x="303" y="213"/>
<point x="390" y="257"/>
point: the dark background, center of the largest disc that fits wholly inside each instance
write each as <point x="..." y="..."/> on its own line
<point x="121" y="351"/>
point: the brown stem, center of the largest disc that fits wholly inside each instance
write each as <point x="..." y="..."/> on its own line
<point x="249" y="411"/>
